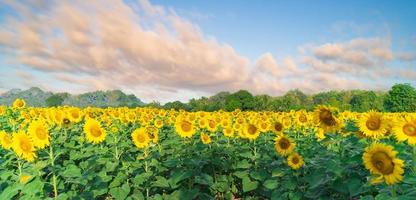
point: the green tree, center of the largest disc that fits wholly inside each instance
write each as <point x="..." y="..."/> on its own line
<point x="242" y="99"/>
<point x="401" y="98"/>
<point x="366" y="100"/>
<point x="54" y="100"/>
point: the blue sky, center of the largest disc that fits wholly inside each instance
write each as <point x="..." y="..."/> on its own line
<point x="176" y="50"/>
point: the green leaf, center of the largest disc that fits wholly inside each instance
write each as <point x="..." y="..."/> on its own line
<point x="243" y="164"/>
<point x="249" y="185"/>
<point x="120" y="193"/>
<point x="118" y="180"/>
<point x="71" y="171"/>
<point x="141" y="178"/>
<point x="10" y="191"/>
<point x="178" y="176"/>
<point x="33" y="187"/>
<point x="161" y="182"/>
<point x="204" y="179"/>
<point x="354" y="186"/>
<point x="270" y="184"/>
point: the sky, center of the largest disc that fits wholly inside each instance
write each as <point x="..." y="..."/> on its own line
<point x="178" y="50"/>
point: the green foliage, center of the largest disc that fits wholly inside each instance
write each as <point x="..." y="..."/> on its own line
<point x="365" y="101"/>
<point x="401" y="98"/>
<point x="54" y="100"/>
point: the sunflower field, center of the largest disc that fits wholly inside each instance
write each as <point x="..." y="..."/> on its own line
<point x="147" y="153"/>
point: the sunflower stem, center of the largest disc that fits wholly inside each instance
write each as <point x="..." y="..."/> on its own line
<point x="54" y="178"/>
<point x="19" y="166"/>
<point x="393" y="191"/>
<point x="414" y="159"/>
<point x="116" y="149"/>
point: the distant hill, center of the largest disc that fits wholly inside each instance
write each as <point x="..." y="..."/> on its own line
<point x="37" y="97"/>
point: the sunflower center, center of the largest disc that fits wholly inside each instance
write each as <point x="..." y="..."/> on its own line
<point x="96" y="131"/>
<point x="141" y="138"/>
<point x="382" y="162"/>
<point x="284" y="143"/>
<point x="75" y="115"/>
<point x="409" y="130"/>
<point x="66" y="121"/>
<point x="186" y="126"/>
<point x="251" y="129"/>
<point x="19" y="104"/>
<point x="40" y="133"/>
<point x="326" y="117"/>
<point x="373" y="123"/>
<point x="295" y="160"/>
<point x="25" y="146"/>
<point x="211" y="124"/>
<point x="302" y="118"/>
<point x="278" y="126"/>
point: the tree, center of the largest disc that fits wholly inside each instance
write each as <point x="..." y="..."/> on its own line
<point x="242" y="99"/>
<point x="54" y="100"/>
<point x="365" y="100"/>
<point x="401" y="98"/>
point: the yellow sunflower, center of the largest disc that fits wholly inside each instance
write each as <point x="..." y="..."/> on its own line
<point x="184" y="128"/>
<point x="2" y="110"/>
<point x="277" y="127"/>
<point x="325" y="117"/>
<point x="140" y="138"/>
<point x="23" y="146"/>
<point x="5" y="140"/>
<point x="405" y="129"/>
<point x="205" y="138"/>
<point x="373" y="124"/>
<point x="158" y="123"/>
<point x="295" y="161"/>
<point x="381" y="160"/>
<point x="19" y="103"/>
<point x="228" y="131"/>
<point x="93" y="131"/>
<point x="39" y="133"/>
<point x="284" y="145"/>
<point x="251" y="131"/>
<point x="74" y="115"/>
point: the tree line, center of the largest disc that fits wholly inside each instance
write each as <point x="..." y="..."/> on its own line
<point x="400" y="98"/>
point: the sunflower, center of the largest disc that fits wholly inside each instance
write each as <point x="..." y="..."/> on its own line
<point x="251" y="131"/>
<point x="74" y="115"/>
<point x="326" y="119"/>
<point x="5" y="140"/>
<point x="228" y="131"/>
<point x="277" y="127"/>
<point x="264" y="125"/>
<point x="373" y="124"/>
<point x="295" y="161"/>
<point x="302" y="118"/>
<point x="381" y="160"/>
<point x="39" y="133"/>
<point x="405" y="129"/>
<point x="212" y="125"/>
<point x="205" y="138"/>
<point x="140" y="138"/>
<point x="93" y="131"/>
<point x="2" y="110"/>
<point x="23" y="146"/>
<point x="202" y="123"/>
<point x="19" y="103"/>
<point x="158" y="123"/>
<point x="184" y="128"/>
<point x="283" y="145"/>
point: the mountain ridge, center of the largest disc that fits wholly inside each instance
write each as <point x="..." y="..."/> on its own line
<point x="35" y="96"/>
